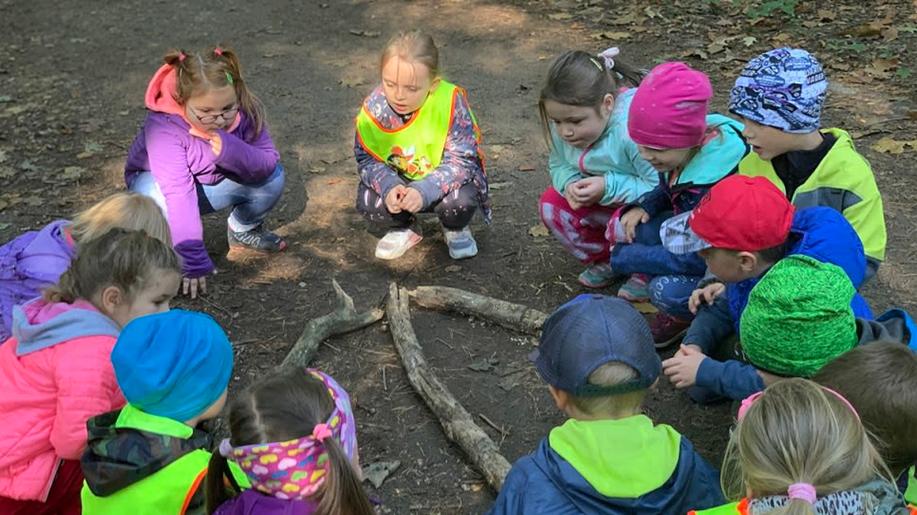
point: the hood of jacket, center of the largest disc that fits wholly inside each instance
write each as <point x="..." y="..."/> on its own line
<point x="719" y="156"/>
<point x="895" y="325"/>
<point x="40" y="324"/>
<point x="119" y="455"/>
<point x="251" y="502"/>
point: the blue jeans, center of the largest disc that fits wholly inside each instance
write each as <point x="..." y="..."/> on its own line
<point x="250" y="202"/>
<point x="675" y="275"/>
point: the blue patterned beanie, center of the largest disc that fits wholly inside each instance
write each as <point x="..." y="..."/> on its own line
<point x="784" y="88"/>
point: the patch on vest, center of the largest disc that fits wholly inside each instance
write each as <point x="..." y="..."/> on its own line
<point x="407" y="163"/>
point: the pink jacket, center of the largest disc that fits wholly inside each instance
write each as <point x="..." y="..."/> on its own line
<point x="55" y="374"/>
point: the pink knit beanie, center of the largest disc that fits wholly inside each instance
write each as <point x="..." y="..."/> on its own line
<point x="669" y="109"/>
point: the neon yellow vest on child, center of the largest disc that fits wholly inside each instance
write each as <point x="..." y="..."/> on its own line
<point x="416" y="148"/>
<point x="843" y="181"/>
<point x="169" y="490"/>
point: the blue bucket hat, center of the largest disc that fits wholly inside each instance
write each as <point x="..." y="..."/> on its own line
<point x="588" y="332"/>
<point x="174" y="364"/>
<point x="783" y="88"/>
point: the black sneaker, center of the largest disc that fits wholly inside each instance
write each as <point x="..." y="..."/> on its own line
<point x="258" y="238"/>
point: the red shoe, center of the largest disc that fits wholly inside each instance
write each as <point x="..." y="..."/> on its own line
<point x="667" y="329"/>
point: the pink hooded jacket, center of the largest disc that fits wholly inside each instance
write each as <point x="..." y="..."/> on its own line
<point x="55" y="374"/>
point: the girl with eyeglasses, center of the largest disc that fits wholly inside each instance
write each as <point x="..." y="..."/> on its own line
<point x="205" y="147"/>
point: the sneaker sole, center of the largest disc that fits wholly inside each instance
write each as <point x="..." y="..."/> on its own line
<point x="399" y="252"/>
<point x="671" y="341"/>
<point x="470" y="252"/>
<point x="596" y="286"/>
<point x="243" y="247"/>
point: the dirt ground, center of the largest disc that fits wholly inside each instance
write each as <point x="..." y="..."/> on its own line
<point x="72" y="78"/>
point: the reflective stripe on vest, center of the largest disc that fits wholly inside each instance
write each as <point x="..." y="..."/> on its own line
<point x="416" y="148"/>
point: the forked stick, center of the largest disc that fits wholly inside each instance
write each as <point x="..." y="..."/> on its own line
<point x="507" y="314"/>
<point x="457" y="423"/>
<point x="343" y="319"/>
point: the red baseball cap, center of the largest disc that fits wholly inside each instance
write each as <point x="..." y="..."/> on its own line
<point x="738" y="213"/>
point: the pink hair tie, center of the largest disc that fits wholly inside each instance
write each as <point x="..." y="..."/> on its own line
<point x="802" y="491"/>
<point x="321" y="432"/>
<point x="181" y="57"/>
<point x="218" y="51"/>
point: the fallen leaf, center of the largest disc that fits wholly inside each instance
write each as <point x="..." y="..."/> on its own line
<point x="627" y="19"/>
<point x="379" y="471"/>
<point x="559" y="16"/>
<point x="888" y="145"/>
<point x="749" y="40"/>
<point x="453" y="268"/>
<point x="365" y="33"/>
<point x="5" y="99"/>
<point x="7" y="172"/>
<point x="539" y="231"/>
<point x="872" y="29"/>
<point x="646" y="308"/>
<point x="783" y="37"/>
<point x="3" y="156"/>
<point x="33" y="200"/>
<point x="526" y="168"/>
<point x="507" y="384"/>
<point x="825" y="15"/>
<point x="890" y="34"/>
<point x="882" y="68"/>
<point x="484" y="365"/>
<point x="614" y="36"/>
<point x="494" y="186"/>
<point x="72" y="172"/>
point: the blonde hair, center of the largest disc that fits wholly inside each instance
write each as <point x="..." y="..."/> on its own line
<point x="798" y="432"/>
<point x="216" y="68"/>
<point x="414" y="47"/>
<point x="121" y="258"/>
<point x="611" y="374"/>
<point x="131" y="211"/>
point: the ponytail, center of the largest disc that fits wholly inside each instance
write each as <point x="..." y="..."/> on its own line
<point x="217" y="475"/>
<point x="217" y="68"/>
<point x="341" y="491"/>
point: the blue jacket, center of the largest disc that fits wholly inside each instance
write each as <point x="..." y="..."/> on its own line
<point x="818" y="232"/>
<point x="546" y="483"/>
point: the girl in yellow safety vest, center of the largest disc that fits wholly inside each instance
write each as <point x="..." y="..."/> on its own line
<point x="800" y="449"/>
<point x="418" y="150"/>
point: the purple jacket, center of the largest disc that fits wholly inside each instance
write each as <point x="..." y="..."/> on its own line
<point x="251" y="502"/>
<point x="29" y="263"/>
<point x="180" y="161"/>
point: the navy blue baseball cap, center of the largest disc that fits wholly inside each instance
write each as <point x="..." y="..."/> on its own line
<point x="588" y="332"/>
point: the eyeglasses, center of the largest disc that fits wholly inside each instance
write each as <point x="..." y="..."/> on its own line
<point x="228" y="114"/>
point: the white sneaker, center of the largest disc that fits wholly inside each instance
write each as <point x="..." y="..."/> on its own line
<point x="461" y="243"/>
<point x="395" y="243"/>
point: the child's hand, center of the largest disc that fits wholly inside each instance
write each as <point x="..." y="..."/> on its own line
<point x="192" y="285"/>
<point x="629" y="221"/>
<point x="681" y="369"/>
<point x="708" y="294"/>
<point x="393" y="199"/>
<point x="571" y="199"/>
<point x="216" y="143"/>
<point x="588" y="191"/>
<point x="412" y="201"/>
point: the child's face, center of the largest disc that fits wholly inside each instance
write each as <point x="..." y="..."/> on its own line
<point x="767" y="142"/>
<point x="665" y="159"/>
<point x="579" y="126"/>
<point x="212" y="109"/>
<point x="161" y="287"/>
<point x="406" y="84"/>
<point x="729" y="266"/>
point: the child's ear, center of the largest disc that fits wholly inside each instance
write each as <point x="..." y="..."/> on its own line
<point x="110" y="298"/>
<point x="561" y="398"/>
<point x="608" y="104"/>
<point x="748" y="261"/>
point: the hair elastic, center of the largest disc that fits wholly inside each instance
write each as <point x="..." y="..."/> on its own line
<point x="225" y="448"/>
<point x="802" y="491"/>
<point x="608" y="56"/>
<point x="218" y="51"/>
<point x="321" y="432"/>
<point x="229" y="79"/>
<point x="181" y="57"/>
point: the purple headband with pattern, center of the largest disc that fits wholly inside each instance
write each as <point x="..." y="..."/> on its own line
<point x="295" y="469"/>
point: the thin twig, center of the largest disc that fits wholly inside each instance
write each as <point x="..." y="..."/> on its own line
<point x="490" y="423"/>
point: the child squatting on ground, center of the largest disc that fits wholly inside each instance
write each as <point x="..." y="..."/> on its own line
<point x="204" y="147"/>
<point x="692" y="151"/>
<point x="56" y="371"/>
<point x="36" y="259"/>
<point x="149" y="457"/>
<point x="779" y="96"/>
<point x="418" y="150"/>
<point x="294" y="435"/>
<point x="799" y="449"/>
<point x="595" y="167"/>
<point x="597" y="356"/>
